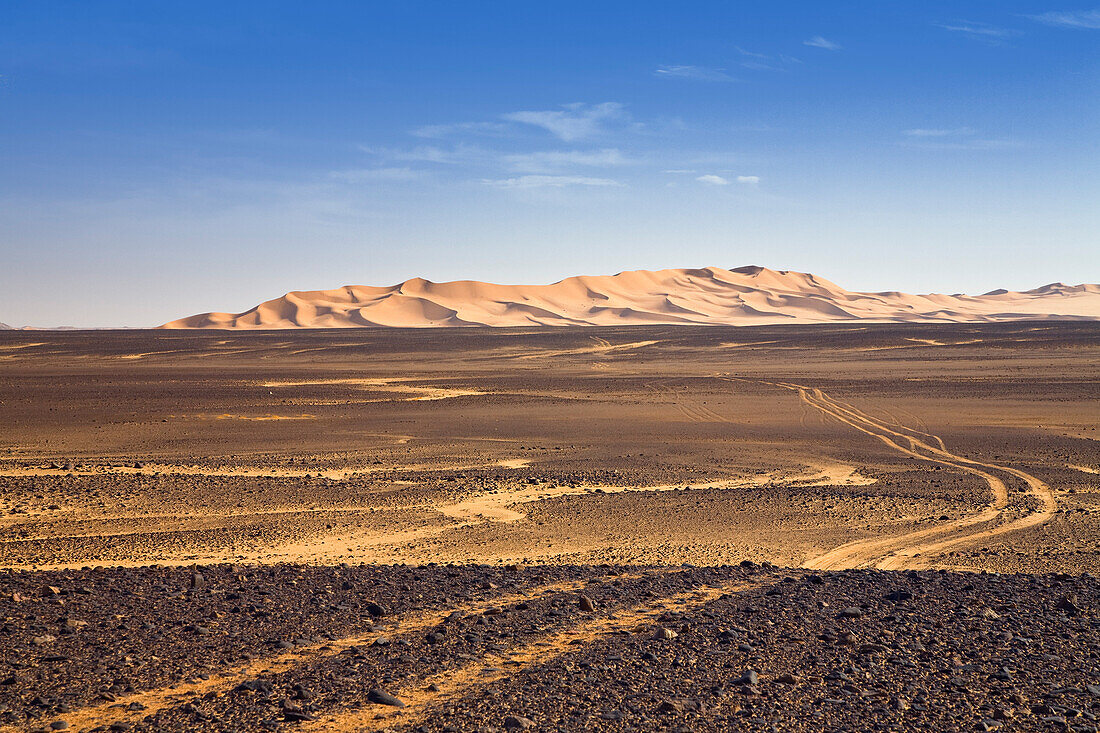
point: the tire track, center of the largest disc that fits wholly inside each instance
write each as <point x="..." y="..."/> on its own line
<point x="450" y="685"/>
<point x="153" y="700"/>
<point x="910" y="550"/>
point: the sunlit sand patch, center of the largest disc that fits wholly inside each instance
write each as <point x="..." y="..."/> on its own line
<point x="933" y="342"/>
<point x="13" y="347"/>
<point x="335" y="474"/>
<point x="1084" y="469"/>
<point x="264" y="418"/>
<point x="147" y="353"/>
<point x="421" y="393"/>
<point x="495" y="507"/>
<point x="600" y="347"/>
<point x="736" y="344"/>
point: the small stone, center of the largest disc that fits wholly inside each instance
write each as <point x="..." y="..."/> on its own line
<point x="750" y="678"/>
<point x="664" y="634"/>
<point x="518" y="722"/>
<point x="670" y="706"/>
<point x="851" y="612"/>
<point x="786" y="679"/>
<point x="375" y="609"/>
<point x="71" y="624"/>
<point x="59" y="725"/>
<point x="298" y="716"/>
<point x="1067" y="606"/>
<point x="586" y="604"/>
<point x="381" y="697"/>
<point x="897" y="596"/>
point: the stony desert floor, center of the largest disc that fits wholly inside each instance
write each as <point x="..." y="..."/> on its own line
<point x="774" y="528"/>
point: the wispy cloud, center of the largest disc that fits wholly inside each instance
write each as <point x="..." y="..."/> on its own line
<point x="821" y="42"/>
<point x="713" y="180"/>
<point x="958" y="138"/>
<point x="698" y="73"/>
<point x="1087" y="19"/>
<point x="573" y="121"/>
<point x="765" y="62"/>
<point x="937" y="132"/>
<point x="751" y="180"/>
<point x="549" y="182"/>
<point x="358" y="175"/>
<point x="460" y="128"/>
<point x="980" y="31"/>
<point x="459" y="154"/>
<point x="556" y="160"/>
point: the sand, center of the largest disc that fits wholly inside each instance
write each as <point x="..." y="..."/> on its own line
<point x="710" y="296"/>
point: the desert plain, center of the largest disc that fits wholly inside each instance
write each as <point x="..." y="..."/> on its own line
<point x="858" y="527"/>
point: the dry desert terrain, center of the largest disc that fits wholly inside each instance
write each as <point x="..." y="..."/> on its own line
<point x="859" y="526"/>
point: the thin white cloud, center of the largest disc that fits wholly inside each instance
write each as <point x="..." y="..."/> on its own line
<point x="754" y="54"/>
<point x="460" y="128"/>
<point x="359" y="175"/>
<point x="429" y="154"/>
<point x="1087" y="19"/>
<point x="960" y="138"/>
<point x="679" y="170"/>
<point x="751" y="180"/>
<point x="698" y="73"/>
<point x="573" y="121"/>
<point x="555" y="160"/>
<point x="764" y="62"/>
<point x="549" y="182"/>
<point x="713" y="180"/>
<point x="979" y="31"/>
<point x="822" y="42"/>
<point x="937" y="132"/>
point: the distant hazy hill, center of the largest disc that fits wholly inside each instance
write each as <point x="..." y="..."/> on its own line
<point x="710" y="295"/>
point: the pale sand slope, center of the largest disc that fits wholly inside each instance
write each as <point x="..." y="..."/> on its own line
<point x="711" y="295"/>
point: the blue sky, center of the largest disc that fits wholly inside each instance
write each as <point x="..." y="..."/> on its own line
<point x="159" y="159"/>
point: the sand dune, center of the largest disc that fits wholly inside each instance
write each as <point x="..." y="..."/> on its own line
<point x="707" y="296"/>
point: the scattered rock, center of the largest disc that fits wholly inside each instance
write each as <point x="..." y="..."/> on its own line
<point x="381" y="697"/>
<point x="1068" y="606"/>
<point x="518" y="722"/>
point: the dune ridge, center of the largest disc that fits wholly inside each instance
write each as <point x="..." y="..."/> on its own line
<point x="705" y="296"/>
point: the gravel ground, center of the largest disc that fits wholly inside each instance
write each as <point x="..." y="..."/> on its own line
<point x="230" y="648"/>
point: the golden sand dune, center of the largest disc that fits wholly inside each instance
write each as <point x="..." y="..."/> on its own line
<point x="707" y="296"/>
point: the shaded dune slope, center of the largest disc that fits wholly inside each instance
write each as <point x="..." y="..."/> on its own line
<point x="706" y="296"/>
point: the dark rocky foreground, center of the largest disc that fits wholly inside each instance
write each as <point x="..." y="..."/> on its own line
<point x="478" y="648"/>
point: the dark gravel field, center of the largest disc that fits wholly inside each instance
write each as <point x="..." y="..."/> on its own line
<point x="223" y="648"/>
